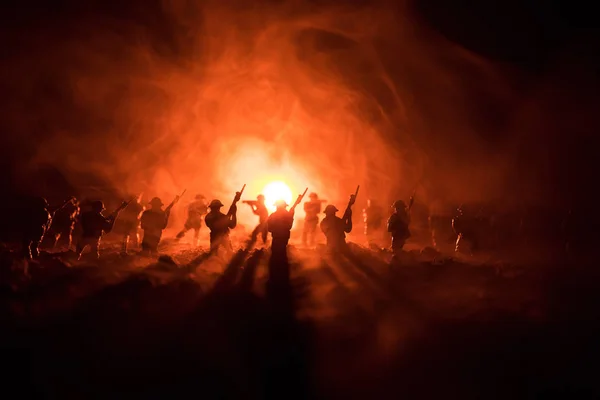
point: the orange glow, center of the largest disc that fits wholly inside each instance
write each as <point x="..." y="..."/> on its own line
<point x="274" y="191"/>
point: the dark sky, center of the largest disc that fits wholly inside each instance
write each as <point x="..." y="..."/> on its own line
<point x="520" y="36"/>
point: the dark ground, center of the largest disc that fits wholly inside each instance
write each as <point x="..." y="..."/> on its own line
<point x="349" y="328"/>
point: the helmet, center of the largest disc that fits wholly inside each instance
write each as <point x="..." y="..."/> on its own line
<point x="399" y="204"/>
<point x="97" y="205"/>
<point x="215" y="204"/>
<point x="330" y="209"/>
<point x="200" y="197"/>
<point x="156" y="202"/>
<point x="260" y="197"/>
<point x="313" y="195"/>
<point x="281" y="204"/>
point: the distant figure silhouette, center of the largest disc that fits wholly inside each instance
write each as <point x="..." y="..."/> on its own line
<point x="464" y="224"/>
<point x="94" y="225"/>
<point x="219" y="225"/>
<point x="196" y="210"/>
<point x="129" y="222"/>
<point x="398" y="226"/>
<point x="374" y="220"/>
<point x="259" y="209"/>
<point x="153" y="222"/>
<point x="280" y="224"/>
<point x="63" y="222"/>
<point x="36" y="222"/>
<point x="312" y="209"/>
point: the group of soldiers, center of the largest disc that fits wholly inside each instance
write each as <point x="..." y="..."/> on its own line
<point x="129" y="217"/>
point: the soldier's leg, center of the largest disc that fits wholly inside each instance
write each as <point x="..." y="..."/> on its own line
<point x="125" y="244"/>
<point x="26" y="247"/>
<point x="255" y="233"/>
<point x="196" y="236"/>
<point x="312" y="233"/>
<point x="95" y="248"/>
<point x="305" y="230"/>
<point x="265" y="233"/>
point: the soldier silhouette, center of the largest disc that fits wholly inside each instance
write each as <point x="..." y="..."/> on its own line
<point x="259" y="209"/>
<point x="280" y="224"/>
<point x="220" y="224"/>
<point x="63" y="222"/>
<point x="36" y="223"/>
<point x="196" y="210"/>
<point x="153" y="222"/>
<point x="398" y="226"/>
<point x="94" y="225"/>
<point x="129" y="220"/>
<point x="312" y="209"/>
<point x="335" y="228"/>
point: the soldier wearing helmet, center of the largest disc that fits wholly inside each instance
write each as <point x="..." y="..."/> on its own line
<point x="280" y="224"/>
<point x="259" y="209"/>
<point x="312" y="209"/>
<point x="196" y="210"/>
<point x="398" y="226"/>
<point x="153" y="222"/>
<point x="219" y="225"/>
<point x="335" y="228"/>
<point x="93" y="225"/>
<point x="36" y="223"/>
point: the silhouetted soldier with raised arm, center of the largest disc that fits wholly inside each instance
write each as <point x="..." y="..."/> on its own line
<point x="398" y="226"/>
<point x="312" y="209"/>
<point x="259" y="209"/>
<point x="37" y="219"/>
<point x="129" y="220"/>
<point x="153" y="222"/>
<point x="196" y="210"/>
<point x="94" y="225"/>
<point x="63" y="222"/>
<point x="280" y="224"/>
<point x="335" y="228"/>
<point x="219" y="225"/>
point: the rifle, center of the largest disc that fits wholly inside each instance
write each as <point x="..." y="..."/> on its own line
<point x="412" y="200"/>
<point x="175" y="201"/>
<point x="250" y="202"/>
<point x="115" y="213"/>
<point x="236" y="198"/>
<point x="351" y="202"/>
<point x="298" y="200"/>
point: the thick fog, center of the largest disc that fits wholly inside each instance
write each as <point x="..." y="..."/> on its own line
<point x="208" y="96"/>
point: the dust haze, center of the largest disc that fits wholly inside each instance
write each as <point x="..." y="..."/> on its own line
<point x="214" y="96"/>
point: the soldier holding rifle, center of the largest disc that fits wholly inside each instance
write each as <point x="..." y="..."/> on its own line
<point x="94" y="225"/>
<point x="335" y="228"/>
<point x="259" y="209"/>
<point x="153" y="222"/>
<point x="220" y="224"/>
<point x="280" y="224"/>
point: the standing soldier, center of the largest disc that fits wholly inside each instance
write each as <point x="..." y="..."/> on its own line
<point x="130" y="223"/>
<point x="153" y="222"/>
<point x="63" y="222"/>
<point x="35" y="225"/>
<point x="312" y="209"/>
<point x="259" y="209"/>
<point x="373" y="219"/>
<point x="220" y="224"/>
<point x="335" y="228"/>
<point x="398" y="226"/>
<point x="280" y="224"/>
<point x="196" y="211"/>
<point x="94" y="225"/>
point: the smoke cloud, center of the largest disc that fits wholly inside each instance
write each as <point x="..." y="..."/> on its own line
<point x="212" y="95"/>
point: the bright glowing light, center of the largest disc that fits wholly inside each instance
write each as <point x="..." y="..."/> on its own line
<point x="274" y="191"/>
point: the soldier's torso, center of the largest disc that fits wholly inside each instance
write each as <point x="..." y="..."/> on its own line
<point x="93" y="224"/>
<point x="312" y="210"/>
<point x="398" y="224"/>
<point x="154" y="220"/>
<point x="262" y="212"/>
<point x="217" y="222"/>
<point x="196" y="210"/>
<point x="333" y="228"/>
<point x="280" y="224"/>
<point x="131" y="213"/>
